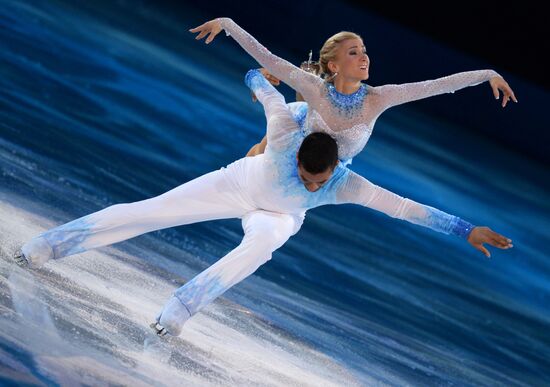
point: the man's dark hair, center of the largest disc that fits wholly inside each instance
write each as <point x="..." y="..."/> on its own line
<point x="318" y="153"/>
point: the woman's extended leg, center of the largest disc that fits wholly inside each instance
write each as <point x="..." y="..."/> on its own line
<point x="264" y="232"/>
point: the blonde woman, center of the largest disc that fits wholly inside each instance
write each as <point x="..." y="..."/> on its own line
<point x="340" y="104"/>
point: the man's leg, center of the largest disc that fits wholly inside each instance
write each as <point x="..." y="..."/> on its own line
<point x="264" y="232"/>
<point x="208" y="197"/>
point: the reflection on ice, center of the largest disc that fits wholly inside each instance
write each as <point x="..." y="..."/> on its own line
<point x="85" y="319"/>
<point x="27" y="302"/>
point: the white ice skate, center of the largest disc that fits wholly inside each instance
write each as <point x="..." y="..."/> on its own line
<point x="20" y="258"/>
<point x="159" y="329"/>
<point x="171" y="319"/>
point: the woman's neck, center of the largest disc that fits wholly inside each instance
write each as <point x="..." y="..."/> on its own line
<point x="346" y="86"/>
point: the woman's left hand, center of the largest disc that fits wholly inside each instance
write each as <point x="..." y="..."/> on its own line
<point x="212" y="27"/>
<point x="498" y="83"/>
<point x="270" y="78"/>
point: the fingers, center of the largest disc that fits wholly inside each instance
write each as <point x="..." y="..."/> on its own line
<point x="511" y="95"/>
<point x="202" y="34"/>
<point x="505" y="99"/>
<point x="495" y="92"/>
<point x="212" y="36"/>
<point x="501" y="243"/>
<point x="270" y="78"/>
<point x="483" y="250"/>
<point x="498" y="84"/>
<point x="507" y="94"/>
<point x="205" y="29"/>
<point x="498" y="240"/>
<point x="486" y="235"/>
<point x="274" y="81"/>
<point x="197" y="29"/>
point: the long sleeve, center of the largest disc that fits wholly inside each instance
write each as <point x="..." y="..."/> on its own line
<point x="303" y="82"/>
<point x="392" y="95"/>
<point x="281" y="125"/>
<point x="360" y="191"/>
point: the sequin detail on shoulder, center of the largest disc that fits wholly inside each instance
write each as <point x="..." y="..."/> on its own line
<point x="348" y="105"/>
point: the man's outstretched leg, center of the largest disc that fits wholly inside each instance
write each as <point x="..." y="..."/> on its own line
<point x="209" y="197"/>
<point x="264" y="232"/>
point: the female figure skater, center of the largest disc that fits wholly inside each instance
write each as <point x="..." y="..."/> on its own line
<point x="341" y="104"/>
<point x="270" y="192"/>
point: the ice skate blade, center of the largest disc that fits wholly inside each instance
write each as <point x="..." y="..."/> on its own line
<point x="20" y="259"/>
<point x="159" y="329"/>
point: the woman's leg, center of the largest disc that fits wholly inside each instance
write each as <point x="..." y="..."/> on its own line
<point x="208" y="197"/>
<point x="258" y="149"/>
<point x="264" y="232"/>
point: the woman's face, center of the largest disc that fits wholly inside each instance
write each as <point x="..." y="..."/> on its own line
<point x="352" y="61"/>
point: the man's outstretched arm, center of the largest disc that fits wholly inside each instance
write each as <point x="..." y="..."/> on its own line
<point x="359" y="190"/>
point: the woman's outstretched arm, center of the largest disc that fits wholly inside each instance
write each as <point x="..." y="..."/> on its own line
<point x="392" y="95"/>
<point x="300" y="80"/>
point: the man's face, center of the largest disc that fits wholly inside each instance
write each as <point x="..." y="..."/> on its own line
<point x="314" y="181"/>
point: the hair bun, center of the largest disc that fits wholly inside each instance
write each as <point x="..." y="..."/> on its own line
<point x="311" y="67"/>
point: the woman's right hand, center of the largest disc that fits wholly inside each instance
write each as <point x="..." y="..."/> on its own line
<point x="499" y="84"/>
<point x="212" y="27"/>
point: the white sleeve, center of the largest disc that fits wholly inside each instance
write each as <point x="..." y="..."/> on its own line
<point x="392" y="95"/>
<point x="360" y="191"/>
<point x="303" y="82"/>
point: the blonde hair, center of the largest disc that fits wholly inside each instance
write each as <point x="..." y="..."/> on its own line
<point x="329" y="49"/>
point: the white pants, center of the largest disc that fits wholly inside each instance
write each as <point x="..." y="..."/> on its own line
<point x="211" y="196"/>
